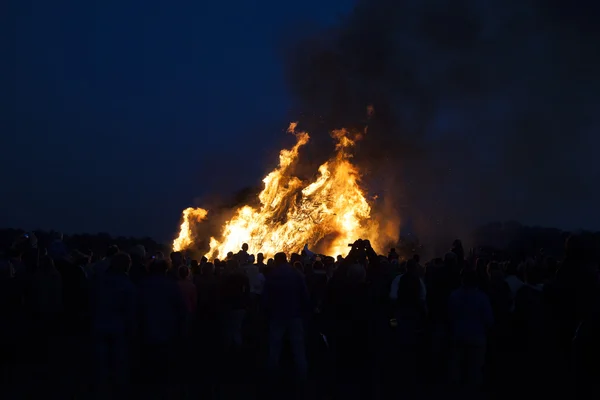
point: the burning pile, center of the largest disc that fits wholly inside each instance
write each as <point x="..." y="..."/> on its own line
<point x="328" y="213"/>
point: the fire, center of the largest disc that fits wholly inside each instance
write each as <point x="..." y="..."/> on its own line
<point x="293" y="213"/>
<point x="184" y="239"/>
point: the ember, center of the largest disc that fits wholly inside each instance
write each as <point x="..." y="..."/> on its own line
<point x="328" y="213"/>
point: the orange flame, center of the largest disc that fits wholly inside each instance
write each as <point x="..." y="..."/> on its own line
<point x="294" y="213"/>
<point x="185" y="240"/>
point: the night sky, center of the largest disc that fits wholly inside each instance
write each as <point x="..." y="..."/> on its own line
<point x="116" y="115"/>
<point x="116" y="110"/>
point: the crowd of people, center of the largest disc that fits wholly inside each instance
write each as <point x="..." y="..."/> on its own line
<point x="363" y="325"/>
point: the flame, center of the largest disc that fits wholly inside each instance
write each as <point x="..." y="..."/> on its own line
<point x="294" y="213"/>
<point x="184" y="240"/>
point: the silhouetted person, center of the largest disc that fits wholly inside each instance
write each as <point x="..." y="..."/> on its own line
<point x="10" y="302"/>
<point x="207" y="287"/>
<point x="513" y="281"/>
<point x="499" y="293"/>
<point x="194" y="268"/>
<point x="420" y="268"/>
<point x="45" y="293"/>
<point x="138" y="270"/>
<point x="457" y="248"/>
<point x="162" y="319"/>
<point x="316" y="282"/>
<point x="573" y="300"/>
<point x="350" y="336"/>
<point x="76" y="289"/>
<point x="102" y="266"/>
<point x="242" y="255"/>
<point x="260" y="262"/>
<point x="114" y="317"/>
<point x="235" y="289"/>
<point x="284" y="301"/>
<point x="392" y="255"/>
<point x="298" y="266"/>
<point x="532" y="331"/>
<point x="188" y="291"/>
<point x="470" y="316"/>
<point x="207" y="316"/>
<point x="176" y="262"/>
<point x="57" y="248"/>
<point x="408" y="295"/>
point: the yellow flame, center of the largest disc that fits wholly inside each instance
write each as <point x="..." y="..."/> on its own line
<point x="185" y="240"/>
<point x="294" y="213"/>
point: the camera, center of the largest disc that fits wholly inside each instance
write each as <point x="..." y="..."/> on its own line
<point x="360" y="244"/>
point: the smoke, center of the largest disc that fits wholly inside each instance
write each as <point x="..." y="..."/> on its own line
<point x="484" y="110"/>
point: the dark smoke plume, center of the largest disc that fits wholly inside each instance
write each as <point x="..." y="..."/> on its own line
<point x="484" y="110"/>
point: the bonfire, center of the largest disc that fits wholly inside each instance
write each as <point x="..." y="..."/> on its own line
<point x="327" y="213"/>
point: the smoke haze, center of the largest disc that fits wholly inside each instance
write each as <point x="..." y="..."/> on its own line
<point x="484" y="110"/>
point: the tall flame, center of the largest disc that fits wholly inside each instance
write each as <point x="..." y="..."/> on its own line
<point x="184" y="240"/>
<point x="294" y="213"/>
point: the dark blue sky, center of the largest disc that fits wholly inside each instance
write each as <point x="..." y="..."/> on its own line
<point x="116" y="109"/>
<point x="116" y="115"/>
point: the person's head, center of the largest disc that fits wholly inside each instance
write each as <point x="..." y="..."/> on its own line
<point x="232" y="264"/>
<point x="79" y="258"/>
<point x="298" y="266"/>
<point x="137" y="253"/>
<point x="469" y="278"/>
<point x="339" y="258"/>
<point x="245" y="247"/>
<point x="481" y="266"/>
<point x="494" y="271"/>
<point x="250" y="260"/>
<point x="512" y="268"/>
<point x="533" y="272"/>
<point x="208" y="269"/>
<point x="183" y="272"/>
<point x="203" y="260"/>
<point x="158" y="267"/>
<point x="270" y="262"/>
<point x="159" y="255"/>
<point x="14" y="254"/>
<point x="30" y="259"/>
<point x="230" y="255"/>
<point x="318" y="266"/>
<point x="411" y="266"/>
<point x="176" y="259"/>
<point x="579" y="248"/>
<point x="194" y="266"/>
<point x="260" y="258"/>
<point x="112" y="250"/>
<point x="280" y="259"/>
<point x="46" y="264"/>
<point x="294" y="257"/>
<point x="457" y="245"/>
<point x="417" y="258"/>
<point x="402" y="267"/>
<point x="551" y="266"/>
<point x="120" y="263"/>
